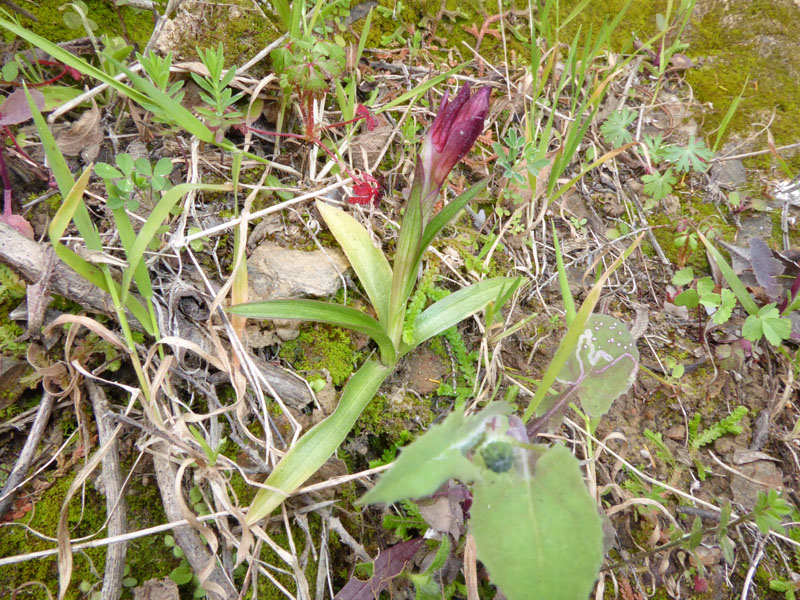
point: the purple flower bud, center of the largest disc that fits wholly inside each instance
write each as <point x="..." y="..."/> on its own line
<point x="455" y="129"/>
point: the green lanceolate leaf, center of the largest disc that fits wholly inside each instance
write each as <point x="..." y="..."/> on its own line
<point x="538" y="532"/>
<point x="436" y="456"/>
<point x="368" y="262"/>
<point x="318" y="444"/>
<point x="323" y="312"/>
<point x="456" y="307"/>
<point x="447" y="214"/>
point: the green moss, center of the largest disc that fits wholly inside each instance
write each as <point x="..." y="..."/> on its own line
<point x="732" y="43"/>
<point x="242" y="29"/>
<point x="388" y="416"/>
<point x="50" y="25"/>
<point x="395" y="23"/>
<point x="323" y="347"/>
<point x="83" y="520"/>
<point x="147" y="557"/>
<point x="639" y="19"/>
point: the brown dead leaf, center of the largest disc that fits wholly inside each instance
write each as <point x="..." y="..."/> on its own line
<point x="366" y="147"/>
<point x="84" y="137"/>
<point x="443" y="514"/>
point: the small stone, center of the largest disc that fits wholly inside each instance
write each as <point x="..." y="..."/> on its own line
<point x="746" y="491"/>
<point x="708" y="556"/>
<point x="157" y="589"/>
<point x="275" y="272"/>
<point x="676" y="432"/>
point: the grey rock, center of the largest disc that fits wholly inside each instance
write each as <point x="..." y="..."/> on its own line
<point x="729" y="173"/>
<point x="279" y="273"/>
<point x="746" y="491"/>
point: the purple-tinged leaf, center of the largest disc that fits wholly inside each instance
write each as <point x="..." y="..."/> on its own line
<point x="603" y="365"/>
<point x="766" y="268"/>
<point x="19" y="223"/>
<point x="15" y="108"/>
<point x="794" y="317"/>
<point x="389" y="564"/>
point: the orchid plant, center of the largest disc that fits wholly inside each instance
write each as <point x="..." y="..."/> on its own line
<point x="453" y="132"/>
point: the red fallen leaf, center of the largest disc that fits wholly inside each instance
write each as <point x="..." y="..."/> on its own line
<point x="15" y="108"/>
<point x="365" y="191"/>
<point x="389" y="564"/>
<point x="363" y="111"/>
<point x="18" y="223"/>
<point x="700" y="584"/>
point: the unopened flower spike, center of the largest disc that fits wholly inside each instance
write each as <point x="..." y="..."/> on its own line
<point x="454" y="130"/>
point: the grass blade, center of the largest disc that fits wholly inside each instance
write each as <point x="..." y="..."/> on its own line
<point x="737" y="287"/>
<point x="154" y="221"/>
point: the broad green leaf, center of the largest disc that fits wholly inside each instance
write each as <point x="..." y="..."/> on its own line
<point x="687" y="298"/>
<point x="604" y="364"/>
<point x="436" y="456"/>
<point x="570" y="340"/>
<point x="683" y="277"/>
<point x="368" y="262"/>
<point x="56" y="96"/>
<point x="407" y="249"/>
<point x="324" y="312"/>
<point x="539" y="533"/>
<point x="318" y="444"/>
<point x="456" y="307"/>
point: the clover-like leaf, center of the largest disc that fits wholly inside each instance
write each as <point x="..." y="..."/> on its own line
<point x="767" y="323"/>
<point x="659" y="186"/>
<point x="603" y="365"/>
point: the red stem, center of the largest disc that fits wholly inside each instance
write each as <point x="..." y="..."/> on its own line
<point x="6" y="181"/>
<point x="16" y="145"/>
<point x="48" y="82"/>
<point x="313" y="140"/>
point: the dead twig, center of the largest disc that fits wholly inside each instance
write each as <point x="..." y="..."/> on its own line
<point x="22" y="465"/>
<point x="115" y="501"/>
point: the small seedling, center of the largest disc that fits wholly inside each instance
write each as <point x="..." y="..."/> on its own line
<point x="133" y="180"/>
<point x="518" y="152"/>
<point x="221" y="113"/>
<point x="718" y="303"/>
